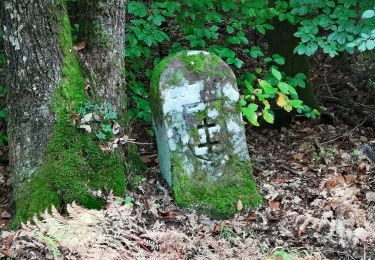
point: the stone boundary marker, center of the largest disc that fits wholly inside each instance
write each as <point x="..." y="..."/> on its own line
<point x="200" y="135"/>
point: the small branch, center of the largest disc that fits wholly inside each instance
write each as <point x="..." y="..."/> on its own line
<point x="134" y="142"/>
<point x="347" y="133"/>
<point x="295" y="172"/>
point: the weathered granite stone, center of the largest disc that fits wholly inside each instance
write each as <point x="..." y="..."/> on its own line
<point x="201" y="140"/>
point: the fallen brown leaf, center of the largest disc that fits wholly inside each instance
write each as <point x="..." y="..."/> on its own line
<point x="74" y="118"/>
<point x="298" y="156"/>
<point x="350" y="179"/>
<point x="104" y="148"/>
<point x="79" y="46"/>
<point x="239" y="205"/>
<point x="274" y="204"/>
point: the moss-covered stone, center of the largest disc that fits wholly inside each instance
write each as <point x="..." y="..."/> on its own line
<point x="73" y="163"/>
<point x="199" y="130"/>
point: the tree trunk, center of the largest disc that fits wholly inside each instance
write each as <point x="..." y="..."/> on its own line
<point x="102" y="29"/>
<point x="52" y="160"/>
<point x="282" y="41"/>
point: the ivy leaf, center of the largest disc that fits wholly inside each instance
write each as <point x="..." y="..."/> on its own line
<point x="300" y="80"/>
<point x="292" y="91"/>
<point x="268" y="59"/>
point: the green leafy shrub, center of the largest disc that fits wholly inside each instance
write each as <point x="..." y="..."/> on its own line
<point x="226" y="28"/>
<point x="235" y="31"/>
<point x="334" y="26"/>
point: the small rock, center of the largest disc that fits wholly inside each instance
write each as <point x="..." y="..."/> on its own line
<point x="238" y="231"/>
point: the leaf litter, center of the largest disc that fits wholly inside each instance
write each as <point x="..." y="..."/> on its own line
<point x="319" y="204"/>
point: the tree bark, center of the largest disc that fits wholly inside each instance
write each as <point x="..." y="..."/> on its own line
<point x="282" y="41"/>
<point x="52" y="160"/>
<point x="34" y="62"/>
<point x="102" y="29"/>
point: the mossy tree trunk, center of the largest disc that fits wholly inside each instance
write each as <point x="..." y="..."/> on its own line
<point x="52" y="161"/>
<point x="282" y="41"/>
<point x="34" y="71"/>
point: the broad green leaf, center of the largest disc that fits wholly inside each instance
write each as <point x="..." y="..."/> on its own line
<point x="278" y="59"/>
<point x="267" y="87"/>
<point x="284" y="87"/>
<point x="368" y="14"/>
<point x="370" y="44"/>
<point x="230" y="29"/>
<point x="276" y="74"/>
<point x="250" y="113"/>
<point x="255" y="52"/>
<point x="249" y="86"/>
<point x="296" y="103"/>
<point x="268" y="116"/>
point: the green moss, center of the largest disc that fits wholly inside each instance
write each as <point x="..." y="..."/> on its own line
<point x="201" y="115"/>
<point x="194" y="133"/>
<point x="198" y="63"/>
<point x="74" y="163"/>
<point x="215" y="198"/>
<point x="176" y="78"/>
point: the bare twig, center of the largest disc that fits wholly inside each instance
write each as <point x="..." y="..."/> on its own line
<point x="347" y="133"/>
<point x="295" y="172"/>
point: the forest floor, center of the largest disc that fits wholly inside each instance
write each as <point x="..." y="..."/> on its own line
<point x="318" y="187"/>
<point x="319" y="190"/>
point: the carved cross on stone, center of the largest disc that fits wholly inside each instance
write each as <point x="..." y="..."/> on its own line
<point x="209" y="143"/>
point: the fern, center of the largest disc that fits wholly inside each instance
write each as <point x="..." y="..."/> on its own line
<point x="113" y="233"/>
